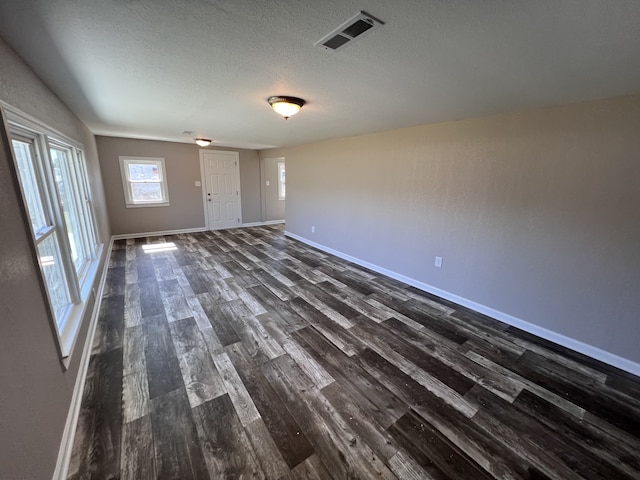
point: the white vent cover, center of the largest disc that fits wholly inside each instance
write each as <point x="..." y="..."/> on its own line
<point x="356" y="27"/>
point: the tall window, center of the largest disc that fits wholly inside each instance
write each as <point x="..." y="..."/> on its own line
<point x="67" y="172"/>
<point x="144" y="182"/>
<point x="43" y="225"/>
<point x="56" y="193"/>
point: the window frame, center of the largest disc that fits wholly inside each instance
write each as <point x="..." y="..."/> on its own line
<point x="282" y="186"/>
<point x="78" y="283"/>
<point x="130" y="202"/>
<point x="72" y="164"/>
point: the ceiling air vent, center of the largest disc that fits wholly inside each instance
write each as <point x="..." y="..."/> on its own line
<point x="356" y="27"/>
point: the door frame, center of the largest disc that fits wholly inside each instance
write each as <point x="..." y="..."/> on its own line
<point x="263" y="184"/>
<point x="203" y="183"/>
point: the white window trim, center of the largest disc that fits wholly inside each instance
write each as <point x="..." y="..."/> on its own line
<point x="53" y="143"/>
<point x="281" y="195"/>
<point x="20" y="124"/>
<point x="126" y="182"/>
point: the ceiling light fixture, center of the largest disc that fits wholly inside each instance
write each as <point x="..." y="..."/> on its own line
<point x="286" y="106"/>
<point x="203" y="142"/>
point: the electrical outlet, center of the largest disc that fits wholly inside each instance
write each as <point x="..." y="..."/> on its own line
<point x="438" y="262"/>
<point x="313" y="229"/>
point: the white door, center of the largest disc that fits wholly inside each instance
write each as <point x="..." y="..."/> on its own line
<point x="221" y="174"/>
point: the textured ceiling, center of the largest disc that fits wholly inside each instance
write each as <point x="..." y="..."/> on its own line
<point x="154" y="68"/>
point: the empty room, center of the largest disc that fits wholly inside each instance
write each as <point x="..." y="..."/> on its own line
<point x="319" y="240"/>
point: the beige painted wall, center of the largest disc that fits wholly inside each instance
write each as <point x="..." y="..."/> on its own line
<point x="273" y="208"/>
<point x="35" y="390"/>
<point x="182" y="162"/>
<point x="536" y="214"/>
<point x="249" y="185"/>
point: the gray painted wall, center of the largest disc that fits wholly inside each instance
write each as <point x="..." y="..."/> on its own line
<point x="35" y="390"/>
<point x="182" y="162"/>
<point x="536" y="214"/>
<point x="273" y="207"/>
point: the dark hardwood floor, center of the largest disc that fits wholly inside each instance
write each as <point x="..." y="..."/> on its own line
<point x="244" y="354"/>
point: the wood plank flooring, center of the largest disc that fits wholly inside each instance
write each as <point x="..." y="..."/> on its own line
<point x="244" y="354"/>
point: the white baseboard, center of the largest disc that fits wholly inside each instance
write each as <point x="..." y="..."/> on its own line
<point x="581" y="347"/>
<point x="66" y="445"/>
<point x="158" y="234"/>
<point x="261" y="224"/>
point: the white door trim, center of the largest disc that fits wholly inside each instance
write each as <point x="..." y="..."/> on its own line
<point x="203" y="184"/>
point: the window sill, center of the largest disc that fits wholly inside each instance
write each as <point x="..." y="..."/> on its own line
<point x="142" y="205"/>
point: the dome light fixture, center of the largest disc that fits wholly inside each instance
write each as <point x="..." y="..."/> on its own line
<point x="286" y="106"/>
<point x="203" y="142"/>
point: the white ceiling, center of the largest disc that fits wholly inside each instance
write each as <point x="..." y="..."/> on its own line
<point x="154" y="68"/>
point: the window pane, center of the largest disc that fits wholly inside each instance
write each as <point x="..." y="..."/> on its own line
<point x="282" y="186"/>
<point x="50" y="259"/>
<point x="71" y="208"/>
<point x="146" y="192"/>
<point x="143" y="172"/>
<point x="29" y="183"/>
<point x="87" y="211"/>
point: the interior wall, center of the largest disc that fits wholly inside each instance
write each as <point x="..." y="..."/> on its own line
<point x="535" y="214"/>
<point x="182" y="162"/>
<point x="35" y="389"/>
<point x="249" y="185"/>
<point x="274" y="209"/>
